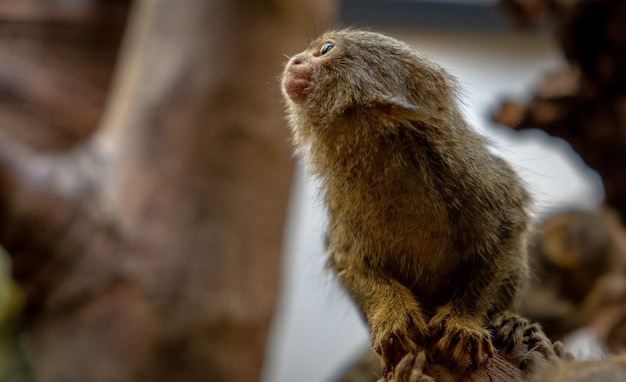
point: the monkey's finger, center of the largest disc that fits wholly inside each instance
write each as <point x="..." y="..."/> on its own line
<point x="384" y="349"/>
<point x="483" y="351"/>
<point x="404" y="368"/>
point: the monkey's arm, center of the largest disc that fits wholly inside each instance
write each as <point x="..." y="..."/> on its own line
<point x="394" y="317"/>
<point x="458" y="327"/>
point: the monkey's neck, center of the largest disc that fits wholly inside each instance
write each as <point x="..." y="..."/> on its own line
<point x="357" y="158"/>
<point x="376" y="175"/>
<point x="361" y="152"/>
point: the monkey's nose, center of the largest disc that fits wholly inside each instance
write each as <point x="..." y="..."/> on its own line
<point x="297" y="60"/>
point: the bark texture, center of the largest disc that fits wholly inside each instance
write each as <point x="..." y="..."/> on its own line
<point x="150" y="249"/>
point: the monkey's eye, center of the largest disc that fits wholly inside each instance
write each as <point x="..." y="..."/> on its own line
<point x="326" y="48"/>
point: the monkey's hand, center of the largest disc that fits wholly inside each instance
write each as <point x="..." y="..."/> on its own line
<point x="457" y="338"/>
<point x="396" y="331"/>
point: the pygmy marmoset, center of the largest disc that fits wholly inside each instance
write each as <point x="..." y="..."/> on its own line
<point x="427" y="227"/>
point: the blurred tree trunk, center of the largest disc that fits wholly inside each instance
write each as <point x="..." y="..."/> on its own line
<point x="56" y="62"/>
<point x="150" y="250"/>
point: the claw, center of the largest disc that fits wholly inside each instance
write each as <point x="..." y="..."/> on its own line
<point x="461" y="342"/>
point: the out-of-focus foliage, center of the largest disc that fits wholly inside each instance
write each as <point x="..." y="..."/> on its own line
<point x="14" y="365"/>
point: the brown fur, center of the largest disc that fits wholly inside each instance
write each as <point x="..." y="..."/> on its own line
<point x="427" y="227"/>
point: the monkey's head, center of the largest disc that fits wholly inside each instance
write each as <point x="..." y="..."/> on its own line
<point x="351" y="73"/>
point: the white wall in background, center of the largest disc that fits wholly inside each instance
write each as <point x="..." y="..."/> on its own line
<point x="317" y="330"/>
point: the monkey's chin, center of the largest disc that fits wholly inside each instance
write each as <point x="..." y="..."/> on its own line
<point x="297" y="89"/>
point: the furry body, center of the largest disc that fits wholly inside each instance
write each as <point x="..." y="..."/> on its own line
<point x="427" y="227"/>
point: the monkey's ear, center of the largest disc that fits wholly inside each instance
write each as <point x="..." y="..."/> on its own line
<point x="398" y="108"/>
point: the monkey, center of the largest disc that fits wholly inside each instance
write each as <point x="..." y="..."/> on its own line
<point x="427" y="227"/>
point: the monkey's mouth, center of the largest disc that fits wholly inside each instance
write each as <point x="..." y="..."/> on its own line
<point x="297" y="83"/>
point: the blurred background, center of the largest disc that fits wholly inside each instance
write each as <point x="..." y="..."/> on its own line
<point x="544" y="80"/>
